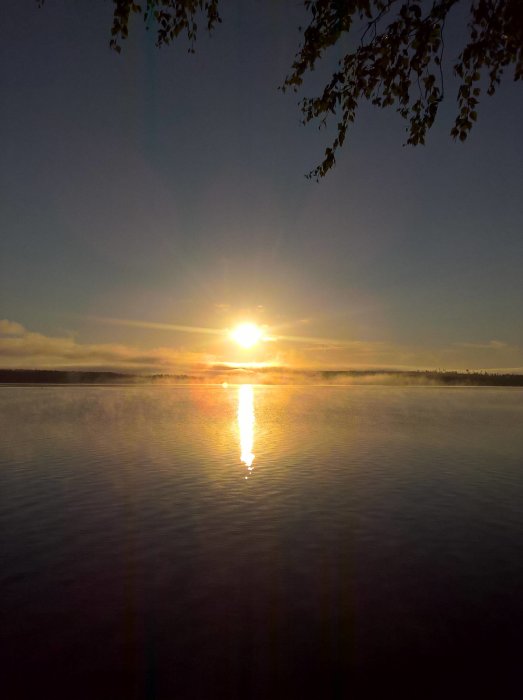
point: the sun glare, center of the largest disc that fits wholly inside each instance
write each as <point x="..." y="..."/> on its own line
<point x="247" y="335"/>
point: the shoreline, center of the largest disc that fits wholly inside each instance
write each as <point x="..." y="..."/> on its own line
<point x="272" y="377"/>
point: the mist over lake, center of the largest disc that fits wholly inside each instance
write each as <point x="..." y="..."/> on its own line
<point x="258" y="542"/>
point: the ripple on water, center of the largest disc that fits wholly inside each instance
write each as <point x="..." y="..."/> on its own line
<point x="379" y="532"/>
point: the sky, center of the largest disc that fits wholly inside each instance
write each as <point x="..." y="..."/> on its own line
<point x="149" y="195"/>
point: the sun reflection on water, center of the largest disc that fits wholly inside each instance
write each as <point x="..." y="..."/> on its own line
<point x="246" y="424"/>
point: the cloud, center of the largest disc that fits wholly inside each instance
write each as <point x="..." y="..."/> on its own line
<point x="359" y="354"/>
<point x="20" y="348"/>
<point x="491" y="345"/>
<point x="11" y="328"/>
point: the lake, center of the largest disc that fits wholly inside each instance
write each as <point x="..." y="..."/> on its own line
<point x="260" y="542"/>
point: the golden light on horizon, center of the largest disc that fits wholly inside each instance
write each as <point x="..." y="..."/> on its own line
<point x="246" y="334"/>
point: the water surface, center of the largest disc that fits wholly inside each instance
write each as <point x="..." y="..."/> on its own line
<point x="260" y="542"/>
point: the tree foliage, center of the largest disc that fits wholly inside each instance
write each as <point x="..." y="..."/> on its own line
<point x="396" y="59"/>
<point x="172" y="18"/>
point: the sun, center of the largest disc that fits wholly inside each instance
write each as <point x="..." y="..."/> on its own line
<point x="246" y="334"/>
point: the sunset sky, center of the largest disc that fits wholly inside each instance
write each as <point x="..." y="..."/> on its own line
<point x="156" y="189"/>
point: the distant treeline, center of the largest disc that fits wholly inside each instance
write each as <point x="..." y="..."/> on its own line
<point x="56" y="376"/>
<point x="51" y="376"/>
<point x="447" y="378"/>
<point x="265" y="376"/>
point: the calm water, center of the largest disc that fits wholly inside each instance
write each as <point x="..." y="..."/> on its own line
<point x="260" y="542"/>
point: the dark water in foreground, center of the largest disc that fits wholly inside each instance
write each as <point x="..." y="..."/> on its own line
<point x="375" y="545"/>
